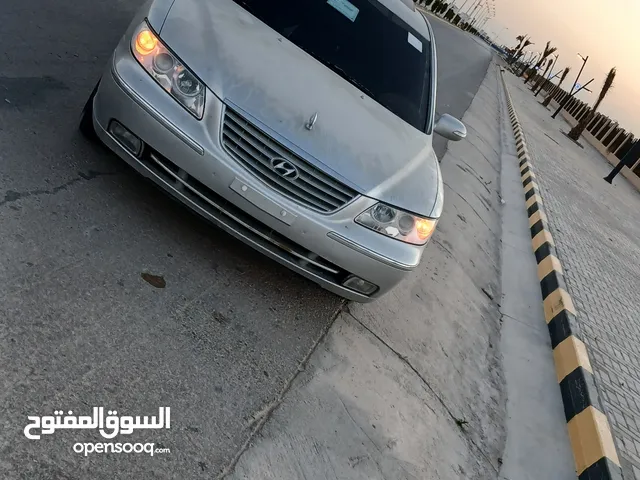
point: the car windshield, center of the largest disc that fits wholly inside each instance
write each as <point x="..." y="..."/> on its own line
<point x="362" y="41"/>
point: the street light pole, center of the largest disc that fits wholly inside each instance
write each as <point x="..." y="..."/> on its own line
<point x="544" y="81"/>
<point x="480" y="15"/>
<point x="471" y="14"/>
<point x="463" y="5"/>
<point x="483" y="19"/>
<point x="473" y="7"/>
<point x="566" y="100"/>
<point x="481" y="22"/>
<point x="490" y="13"/>
<point x="477" y="10"/>
<point x="584" y="62"/>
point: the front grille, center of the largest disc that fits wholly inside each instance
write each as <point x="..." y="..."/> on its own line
<point x="254" y="149"/>
<point x="226" y="214"/>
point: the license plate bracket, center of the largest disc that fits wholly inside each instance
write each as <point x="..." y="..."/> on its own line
<point x="263" y="203"/>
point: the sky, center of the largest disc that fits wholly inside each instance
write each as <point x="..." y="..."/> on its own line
<point x="607" y="31"/>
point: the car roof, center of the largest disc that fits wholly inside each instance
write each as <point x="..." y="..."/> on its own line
<point x="405" y="9"/>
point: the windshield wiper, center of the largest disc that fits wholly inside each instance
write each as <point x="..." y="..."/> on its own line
<point x="342" y="73"/>
<point x="348" y="78"/>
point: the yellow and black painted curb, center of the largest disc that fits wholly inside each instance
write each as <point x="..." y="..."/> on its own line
<point x="591" y="438"/>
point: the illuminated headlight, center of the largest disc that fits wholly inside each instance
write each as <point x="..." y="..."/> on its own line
<point x="397" y="224"/>
<point x="168" y="71"/>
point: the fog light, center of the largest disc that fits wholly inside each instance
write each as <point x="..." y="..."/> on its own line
<point x="359" y="285"/>
<point x="125" y="137"/>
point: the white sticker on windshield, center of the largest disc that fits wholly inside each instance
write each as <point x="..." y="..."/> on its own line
<point x="346" y="8"/>
<point x="415" y="42"/>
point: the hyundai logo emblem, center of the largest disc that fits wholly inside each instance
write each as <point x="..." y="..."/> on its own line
<point x="284" y="168"/>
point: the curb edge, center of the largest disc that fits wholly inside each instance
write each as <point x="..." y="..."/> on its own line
<point x="590" y="435"/>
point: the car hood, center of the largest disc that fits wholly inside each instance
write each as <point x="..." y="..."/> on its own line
<point x="355" y="139"/>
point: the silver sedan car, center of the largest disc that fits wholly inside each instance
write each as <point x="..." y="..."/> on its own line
<point x="301" y="127"/>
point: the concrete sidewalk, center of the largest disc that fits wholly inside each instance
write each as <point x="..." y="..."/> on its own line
<point x="537" y="441"/>
<point x="597" y="231"/>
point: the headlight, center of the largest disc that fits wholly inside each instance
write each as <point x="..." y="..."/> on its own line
<point x="397" y="224"/>
<point x="168" y="71"/>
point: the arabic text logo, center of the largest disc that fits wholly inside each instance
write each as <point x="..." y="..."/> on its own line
<point x="108" y="426"/>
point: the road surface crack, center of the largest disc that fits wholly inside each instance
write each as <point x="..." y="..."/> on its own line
<point x="406" y="361"/>
<point x="13" y="196"/>
<point x="439" y="243"/>
<point x="481" y="152"/>
<point x="459" y="422"/>
<point x="365" y="434"/>
<point x="264" y="414"/>
<point x="471" y="207"/>
<point x="476" y="175"/>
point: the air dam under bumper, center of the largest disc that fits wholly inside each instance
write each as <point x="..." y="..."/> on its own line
<point x="190" y="163"/>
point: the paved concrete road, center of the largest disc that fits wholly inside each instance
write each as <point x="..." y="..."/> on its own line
<point x="462" y="63"/>
<point x="78" y="325"/>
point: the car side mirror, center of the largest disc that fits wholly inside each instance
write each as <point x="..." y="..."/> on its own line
<point x="450" y="128"/>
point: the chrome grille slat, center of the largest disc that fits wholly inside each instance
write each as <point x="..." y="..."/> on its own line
<point x="264" y="233"/>
<point x="272" y="178"/>
<point x="265" y="157"/>
<point x="254" y="149"/>
<point x="258" y="162"/>
<point x="278" y="150"/>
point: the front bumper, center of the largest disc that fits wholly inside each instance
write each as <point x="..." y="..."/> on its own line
<point x="186" y="158"/>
